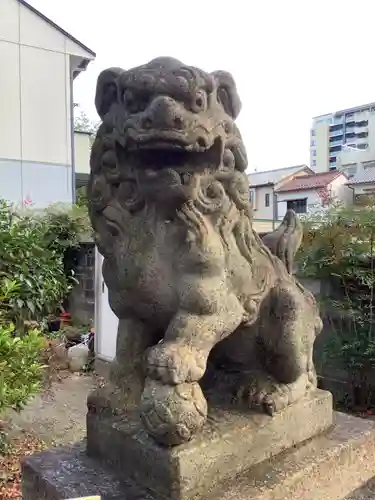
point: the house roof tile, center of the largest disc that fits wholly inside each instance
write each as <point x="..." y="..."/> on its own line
<point x="315" y="181"/>
<point x="364" y="176"/>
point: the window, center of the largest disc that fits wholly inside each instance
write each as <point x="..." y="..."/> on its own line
<point x="252" y="196"/>
<point x="313" y="143"/>
<point x="313" y="152"/>
<point x="362" y="135"/>
<point x="313" y="163"/>
<point x="313" y="132"/>
<point x="267" y="200"/>
<point x="350" y="171"/>
<point x="368" y="164"/>
<point x="299" y="206"/>
<point x="363" y="145"/>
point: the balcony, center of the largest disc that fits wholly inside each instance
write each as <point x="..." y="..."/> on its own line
<point x="336" y="140"/>
<point x="336" y="128"/>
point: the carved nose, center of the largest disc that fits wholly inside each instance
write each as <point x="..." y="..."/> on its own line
<point x="164" y="113"/>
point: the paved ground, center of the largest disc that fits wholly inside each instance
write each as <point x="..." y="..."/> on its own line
<point x="57" y="415"/>
<point x="365" y="493"/>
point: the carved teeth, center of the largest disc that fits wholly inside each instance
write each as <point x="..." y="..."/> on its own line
<point x="185" y="178"/>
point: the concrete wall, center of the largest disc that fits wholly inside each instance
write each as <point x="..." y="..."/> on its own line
<point x="340" y="191"/>
<point x="259" y="206"/>
<point x="313" y="200"/>
<point x="364" y="189"/>
<point x="35" y="117"/>
<point x="321" y="139"/>
<point x="82" y="152"/>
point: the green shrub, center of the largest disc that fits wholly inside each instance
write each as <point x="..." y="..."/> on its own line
<point x="339" y="247"/>
<point x="34" y="279"/>
<point x="20" y="367"/>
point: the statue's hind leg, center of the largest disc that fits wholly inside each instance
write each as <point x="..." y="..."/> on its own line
<point x="286" y="339"/>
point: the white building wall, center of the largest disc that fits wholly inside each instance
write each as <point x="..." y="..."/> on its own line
<point x="340" y="191"/>
<point x="106" y="322"/>
<point x="313" y="201"/>
<point x="82" y="152"/>
<point x="364" y="189"/>
<point x="259" y="203"/>
<point x="35" y="117"/>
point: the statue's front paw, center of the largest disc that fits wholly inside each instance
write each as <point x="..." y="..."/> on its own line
<point x="173" y="414"/>
<point x="175" y="363"/>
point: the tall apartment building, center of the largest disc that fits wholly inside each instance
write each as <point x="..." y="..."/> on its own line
<point x="343" y="139"/>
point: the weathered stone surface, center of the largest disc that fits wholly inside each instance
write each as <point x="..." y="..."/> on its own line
<point x="68" y="473"/>
<point x="285" y="241"/>
<point x="230" y="443"/>
<point x="366" y="492"/>
<point x="189" y="279"/>
<point x="328" y="467"/>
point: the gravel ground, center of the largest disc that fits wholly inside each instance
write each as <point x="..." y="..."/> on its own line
<point x="367" y="492"/>
<point x="58" y="414"/>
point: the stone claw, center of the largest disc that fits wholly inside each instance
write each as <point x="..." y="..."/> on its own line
<point x="175" y="364"/>
<point x="264" y="392"/>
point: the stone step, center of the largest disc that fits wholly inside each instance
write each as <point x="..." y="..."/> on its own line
<point x="328" y="467"/>
<point x="232" y="441"/>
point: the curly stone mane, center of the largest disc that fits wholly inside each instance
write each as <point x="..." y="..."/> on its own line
<point x="218" y="200"/>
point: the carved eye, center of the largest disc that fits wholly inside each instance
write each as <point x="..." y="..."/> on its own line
<point x="133" y="103"/>
<point x="200" y="101"/>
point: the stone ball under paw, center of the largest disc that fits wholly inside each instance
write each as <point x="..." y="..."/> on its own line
<point x="173" y="414"/>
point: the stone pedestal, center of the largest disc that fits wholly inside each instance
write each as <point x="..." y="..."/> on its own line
<point x="297" y="453"/>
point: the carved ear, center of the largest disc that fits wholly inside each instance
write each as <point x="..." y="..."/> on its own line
<point x="227" y="93"/>
<point x="107" y="90"/>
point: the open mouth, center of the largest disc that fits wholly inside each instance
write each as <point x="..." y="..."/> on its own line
<point x="157" y="155"/>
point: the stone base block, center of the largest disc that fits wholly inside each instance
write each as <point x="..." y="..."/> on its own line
<point x="329" y="467"/>
<point x="232" y="441"/>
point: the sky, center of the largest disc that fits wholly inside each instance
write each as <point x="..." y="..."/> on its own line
<point x="292" y="59"/>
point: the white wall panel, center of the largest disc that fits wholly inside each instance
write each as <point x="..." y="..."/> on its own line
<point x="45" y="118"/>
<point x="106" y="322"/>
<point x="9" y="16"/>
<point x="10" y="127"/>
<point x="42" y="184"/>
<point x="35" y="32"/>
<point x="45" y="184"/>
<point x="11" y="181"/>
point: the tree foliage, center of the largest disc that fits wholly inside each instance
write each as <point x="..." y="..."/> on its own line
<point x="34" y="280"/>
<point x="83" y="123"/>
<point x="20" y="367"/>
<point x="339" y="247"/>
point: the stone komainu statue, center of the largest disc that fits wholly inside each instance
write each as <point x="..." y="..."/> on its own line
<point x="191" y="282"/>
